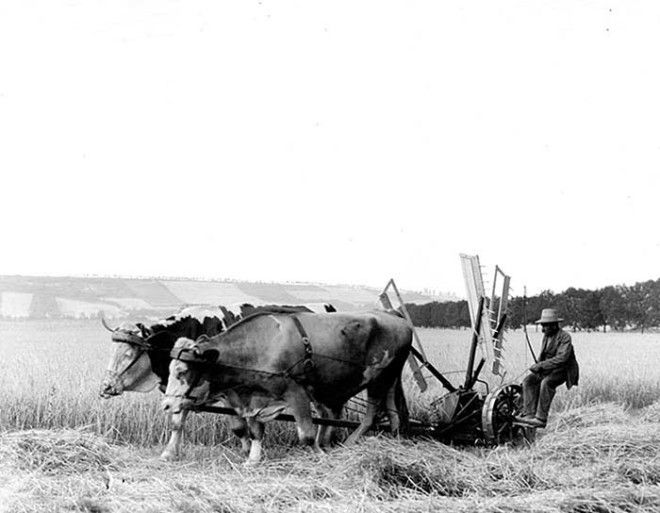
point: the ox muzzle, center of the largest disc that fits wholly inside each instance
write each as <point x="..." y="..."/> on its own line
<point x="111" y="385"/>
<point x="175" y="403"/>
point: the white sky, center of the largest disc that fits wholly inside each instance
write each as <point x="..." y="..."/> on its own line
<point x="336" y="142"/>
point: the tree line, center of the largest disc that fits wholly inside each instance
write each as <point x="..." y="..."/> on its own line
<point x="615" y="307"/>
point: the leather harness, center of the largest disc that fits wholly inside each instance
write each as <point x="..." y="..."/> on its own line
<point x="308" y="363"/>
<point x="192" y="355"/>
<point x="133" y="340"/>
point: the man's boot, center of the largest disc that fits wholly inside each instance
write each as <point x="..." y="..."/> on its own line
<point x="537" y="423"/>
<point x="527" y="419"/>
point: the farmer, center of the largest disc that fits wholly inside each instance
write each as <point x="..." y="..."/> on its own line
<point x="556" y="365"/>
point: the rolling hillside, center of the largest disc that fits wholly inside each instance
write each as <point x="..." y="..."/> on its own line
<point x="28" y="297"/>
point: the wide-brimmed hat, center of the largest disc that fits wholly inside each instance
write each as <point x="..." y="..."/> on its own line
<point x="549" y="315"/>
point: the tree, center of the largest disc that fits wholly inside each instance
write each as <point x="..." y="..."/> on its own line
<point x="618" y="306"/>
<point x="613" y="307"/>
<point x="591" y="315"/>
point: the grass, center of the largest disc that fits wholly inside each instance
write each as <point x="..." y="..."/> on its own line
<point x="64" y="449"/>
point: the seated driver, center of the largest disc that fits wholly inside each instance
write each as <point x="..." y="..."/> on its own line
<point x="556" y="365"/>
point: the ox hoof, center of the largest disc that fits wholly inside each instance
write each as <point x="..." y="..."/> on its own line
<point x="168" y="456"/>
<point x="245" y="450"/>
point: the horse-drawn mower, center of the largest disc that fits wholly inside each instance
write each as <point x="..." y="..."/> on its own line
<point x="464" y="414"/>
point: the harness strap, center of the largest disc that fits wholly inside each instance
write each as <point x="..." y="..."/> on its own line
<point x="130" y="338"/>
<point x="116" y="374"/>
<point x="186" y="354"/>
<point x="308" y="364"/>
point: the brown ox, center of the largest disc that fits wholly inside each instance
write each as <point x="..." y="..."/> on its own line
<point x="270" y="362"/>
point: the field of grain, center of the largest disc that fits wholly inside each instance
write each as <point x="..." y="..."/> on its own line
<point x="64" y="449"/>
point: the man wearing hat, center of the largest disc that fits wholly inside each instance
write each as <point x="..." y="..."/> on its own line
<point x="556" y="365"/>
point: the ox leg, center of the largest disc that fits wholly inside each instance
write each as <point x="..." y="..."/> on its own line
<point x="373" y="404"/>
<point x="324" y="433"/>
<point x="392" y="411"/>
<point x="173" y="448"/>
<point x="256" y="429"/>
<point x="301" y="409"/>
<point x="322" y="430"/>
<point x="397" y="409"/>
<point x="239" y="427"/>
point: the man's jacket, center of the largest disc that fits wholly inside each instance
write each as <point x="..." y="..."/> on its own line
<point x="557" y="354"/>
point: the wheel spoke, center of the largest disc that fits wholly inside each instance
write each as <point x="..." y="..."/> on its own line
<point x="504" y="410"/>
<point x="502" y="407"/>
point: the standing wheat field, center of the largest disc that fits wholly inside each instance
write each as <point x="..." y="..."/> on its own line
<point x="62" y="448"/>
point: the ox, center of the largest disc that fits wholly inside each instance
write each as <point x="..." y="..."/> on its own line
<point x="267" y="363"/>
<point x="141" y="358"/>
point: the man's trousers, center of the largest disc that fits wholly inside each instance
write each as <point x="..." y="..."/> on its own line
<point x="538" y="392"/>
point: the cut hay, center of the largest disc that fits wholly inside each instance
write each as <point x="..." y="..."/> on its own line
<point x="651" y="413"/>
<point x="592" y="415"/>
<point x="400" y="467"/>
<point x="594" y="443"/>
<point x="71" y="470"/>
<point x="639" y="471"/>
<point x="61" y="451"/>
<point x="623" y="499"/>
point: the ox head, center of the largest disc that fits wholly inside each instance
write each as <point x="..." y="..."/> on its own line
<point x="130" y="366"/>
<point x="186" y="386"/>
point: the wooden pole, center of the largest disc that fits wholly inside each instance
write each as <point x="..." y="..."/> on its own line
<point x="414" y="367"/>
<point x="475" y="341"/>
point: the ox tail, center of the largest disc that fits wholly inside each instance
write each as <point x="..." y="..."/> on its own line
<point x="401" y="407"/>
<point x="401" y="343"/>
<point x="399" y="396"/>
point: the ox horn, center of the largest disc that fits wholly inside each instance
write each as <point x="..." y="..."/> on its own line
<point x="105" y="325"/>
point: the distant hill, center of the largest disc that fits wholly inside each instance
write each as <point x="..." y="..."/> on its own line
<point x="30" y="297"/>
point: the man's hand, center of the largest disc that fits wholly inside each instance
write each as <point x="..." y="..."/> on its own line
<point x="536" y="368"/>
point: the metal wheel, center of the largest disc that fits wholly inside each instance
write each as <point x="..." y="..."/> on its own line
<point x="497" y="416"/>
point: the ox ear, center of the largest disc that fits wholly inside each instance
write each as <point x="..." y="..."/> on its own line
<point x="146" y="332"/>
<point x="202" y="339"/>
<point x="210" y="355"/>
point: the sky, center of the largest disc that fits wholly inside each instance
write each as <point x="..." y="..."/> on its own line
<point x="332" y="142"/>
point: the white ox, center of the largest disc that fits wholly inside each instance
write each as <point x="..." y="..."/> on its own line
<point x="141" y="358"/>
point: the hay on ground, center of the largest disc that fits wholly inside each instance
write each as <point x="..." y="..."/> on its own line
<point x="57" y="451"/>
